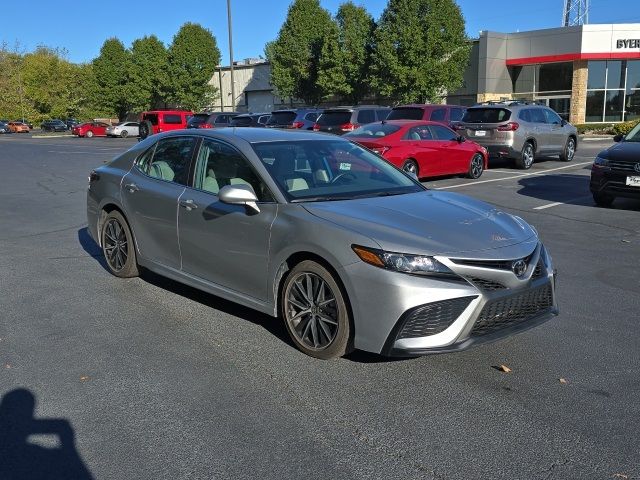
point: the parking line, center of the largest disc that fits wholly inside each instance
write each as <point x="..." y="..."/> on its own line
<point x="543" y="172"/>
<point x="555" y="204"/>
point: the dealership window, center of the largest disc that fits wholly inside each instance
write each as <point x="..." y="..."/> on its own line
<point x="613" y="91"/>
<point x="548" y="83"/>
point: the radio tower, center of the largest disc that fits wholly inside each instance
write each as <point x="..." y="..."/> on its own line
<point x="576" y="12"/>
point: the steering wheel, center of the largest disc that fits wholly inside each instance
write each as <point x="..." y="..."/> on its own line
<point x="343" y="176"/>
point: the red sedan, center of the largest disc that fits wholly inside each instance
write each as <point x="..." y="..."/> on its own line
<point x="427" y="149"/>
<point x="90" y="129"/>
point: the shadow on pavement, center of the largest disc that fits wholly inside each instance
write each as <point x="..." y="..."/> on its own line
<point x="21" y="458"/>
<point x="91" y="247"/>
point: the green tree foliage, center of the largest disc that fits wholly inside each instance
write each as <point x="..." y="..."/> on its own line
<point x="111" y="71"/>
<point x="12" y="101"/>
<point x="147" y="74"/>
<point x="192" y="60"/>
<point x="421" y="50"/>
<point x="346" y="54"/>
<point x="294" y="55"/>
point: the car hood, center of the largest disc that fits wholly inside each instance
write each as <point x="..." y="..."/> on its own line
<point x="623" y="152"/>
<point x="429" y="223"/>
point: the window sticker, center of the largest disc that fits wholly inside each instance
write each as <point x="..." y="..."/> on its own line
<point x="345" y="166"/>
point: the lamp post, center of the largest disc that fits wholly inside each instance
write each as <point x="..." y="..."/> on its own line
<point x="233" y="87"/>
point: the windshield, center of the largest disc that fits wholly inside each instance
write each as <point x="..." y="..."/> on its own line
<point x="374" y="130"/>
<point x="405" y="113"/>
<point x="633" y="135"/>
<point x="319" y="170"/>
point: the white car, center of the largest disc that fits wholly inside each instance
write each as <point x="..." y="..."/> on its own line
<point x="124" y="129"/>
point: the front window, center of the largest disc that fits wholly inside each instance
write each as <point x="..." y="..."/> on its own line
<point x="443" y="133"/>
<point x="319" y="170"/>
<point x="633" y="135"/>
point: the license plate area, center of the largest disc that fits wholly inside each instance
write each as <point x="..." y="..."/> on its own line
<point x="633" y="181"/>
<point x="481" y="133"/>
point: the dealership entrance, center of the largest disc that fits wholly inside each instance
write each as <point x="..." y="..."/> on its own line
<point x="561" y="105"/>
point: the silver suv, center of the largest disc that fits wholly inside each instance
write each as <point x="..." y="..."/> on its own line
<point x="520" y="131"/>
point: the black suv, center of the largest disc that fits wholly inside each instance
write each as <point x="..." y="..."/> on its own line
<point x="211" y="119"/>
<point x="302" y="118"/>
<point x="54" y="125"/>
<point x="340" y="120"/>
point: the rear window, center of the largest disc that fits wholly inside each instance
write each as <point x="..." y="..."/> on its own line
<point x="241" y="121"/>
<point x="374" y="130"/>
<point x="172" y="119"/>
<point x="382" y="113"/>
<point x="334" y="118"/>
<point x="486" y="115"/>
<point x="366" y="116"/>
<point x="282" y="118"/>
<point x="312" y="117"/>
<point x="405" y="113"/>
<point x="456" y="114"/>
<point x="198" y="119"/>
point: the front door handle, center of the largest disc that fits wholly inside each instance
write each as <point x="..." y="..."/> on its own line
<point x="132" y="187"/>
<point x="188" y="204"/>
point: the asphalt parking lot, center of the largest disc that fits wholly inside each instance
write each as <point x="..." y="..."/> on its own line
<point x="149" y="379"/>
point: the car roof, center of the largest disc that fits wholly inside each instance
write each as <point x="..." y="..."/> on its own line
<point x="427" y="106"/>
<point x="253" y="134"/>
<point x="167" y="111"/>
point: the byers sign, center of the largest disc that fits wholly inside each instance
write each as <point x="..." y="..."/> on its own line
<point x="628" y="43"/>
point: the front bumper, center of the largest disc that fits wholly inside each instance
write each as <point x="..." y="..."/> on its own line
<point x="407" y="315"/>
<point x="613" y="182"/>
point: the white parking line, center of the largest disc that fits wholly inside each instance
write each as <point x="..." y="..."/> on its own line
<point x="81" y="153"/>
<point x="543" y="172"/>
<point x="555" y="204"/>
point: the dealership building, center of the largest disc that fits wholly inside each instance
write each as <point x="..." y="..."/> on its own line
<point x="587" y="73"/>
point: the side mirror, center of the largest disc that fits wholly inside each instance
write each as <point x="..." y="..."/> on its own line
<point x="618" y="138"/>
<point x="239" y="195"/>
<point x="461" y="139"/>
<point x="563" y="122"/>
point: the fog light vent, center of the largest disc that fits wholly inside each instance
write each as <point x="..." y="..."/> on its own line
<point x="433" y="318"/>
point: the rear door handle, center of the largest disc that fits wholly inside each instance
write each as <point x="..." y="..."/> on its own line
<point x="188" y="204"/>
<point x="132" y="187"/>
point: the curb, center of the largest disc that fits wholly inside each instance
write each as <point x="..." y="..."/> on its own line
<point x="596" y="138"/>
<point x="52" y="136"/>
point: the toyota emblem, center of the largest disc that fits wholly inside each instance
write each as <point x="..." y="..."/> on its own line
<point x="519" y="267"/>
<point x="636" y="167"/>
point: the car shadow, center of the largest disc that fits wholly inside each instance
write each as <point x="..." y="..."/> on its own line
<point x="569" y="189"/>
<point x="21" y="457"/>
<point x="91" y="247"/>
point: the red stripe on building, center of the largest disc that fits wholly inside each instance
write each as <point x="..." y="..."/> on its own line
<point x="569" y="57"/>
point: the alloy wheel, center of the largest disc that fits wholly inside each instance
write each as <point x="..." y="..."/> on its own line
<point x="311" y="311"/>
<point x="527" y="155"/>
<point x="477" y="166"/>
<point x="571" y="149"/>
<point x="115" y="245"/>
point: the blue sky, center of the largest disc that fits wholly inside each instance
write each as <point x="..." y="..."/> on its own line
<point x="82" y="27"/>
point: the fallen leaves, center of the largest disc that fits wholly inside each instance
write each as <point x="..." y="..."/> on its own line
<point x="84" y="378"/>
<point x="563" y="381"/>
<point x="503" y="368"/>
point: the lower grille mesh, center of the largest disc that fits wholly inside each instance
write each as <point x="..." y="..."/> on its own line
<point x="513" y="310"/>
<point x="433" y="317"/>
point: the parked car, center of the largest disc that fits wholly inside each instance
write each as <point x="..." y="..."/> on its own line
<point x="616" y="171"/>
<point x="348" y="250"/>
<point x="211" y="119"/>
<point x="424" y="149"/>
<point x="124" y="130"/>
<point x="296" y="118"/>
<point x="341" y="120"/>
<point x="250" y="120"/>
<point x="71" y="122"/>
<point x="90" y="129"/>
<point x="4" y="127"/>
<point x="18" y="127"/>
<point x="519" y="131"/>
<point x="157" y="121"/>
<point x="25" y="121"/>
<point x="54" y="125"/>
<point x="447" y="115"/>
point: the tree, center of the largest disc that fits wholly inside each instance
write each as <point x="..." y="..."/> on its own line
<point x="421" y="50"/>
<point x="147" y="74"/>
<point x="294" y="55"/>
<point x="192" y="60"/>
<point x="111" y="70"/>
<point x="346" y="54"/>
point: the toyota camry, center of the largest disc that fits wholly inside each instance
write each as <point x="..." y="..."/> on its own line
<point x="346" y="249"/>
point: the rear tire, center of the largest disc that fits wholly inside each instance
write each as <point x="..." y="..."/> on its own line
<point x="569" y="150"/>
<point x="315" y="313"/>
<point x="89" y="134"/>
<point x="118" y="246"/>
<point x="476" y="166"/>
<point x="603" y="199"/>
<point x="124" y="134"/>
<point x="145" y="129"/>
<point x="527" y="156"/>
<point x="411" y="166"/>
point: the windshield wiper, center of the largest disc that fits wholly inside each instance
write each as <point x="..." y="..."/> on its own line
<point x="319" y="199"/>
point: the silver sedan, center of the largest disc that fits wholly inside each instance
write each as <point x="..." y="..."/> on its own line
<point x="346" y="249"/>
<point x="124" y="129"/>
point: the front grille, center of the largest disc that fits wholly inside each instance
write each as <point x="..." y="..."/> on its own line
<point x="622" y="166"/>
<point x="494" y="264"/>
<point x="539" y="270"/>
<point x="484" y="284"/>
<point x="433" y="317"/>
<point x="514" y="310"/>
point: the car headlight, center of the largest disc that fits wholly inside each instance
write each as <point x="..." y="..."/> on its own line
<point x="401" y="262"/>
<point x="601" y="162"/>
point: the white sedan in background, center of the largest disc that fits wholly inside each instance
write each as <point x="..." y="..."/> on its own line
<point x="124" y="129"/>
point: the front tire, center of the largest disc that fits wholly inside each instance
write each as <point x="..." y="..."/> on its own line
<point x="118" y="246"/>
<point x="476" y="166"/>
<point x="569" y="150"/>
<point x="411" y="166"/>
<point x="603" y="199"/>
<point x="527" y="156"/>
<point x="314" y="310"/>
<point x="124" y="134"/>
<point x="89" y="134"/>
